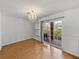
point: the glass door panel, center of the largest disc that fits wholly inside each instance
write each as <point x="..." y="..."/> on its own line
<point x="46" y="31"/>
<point x="57" y="34"/>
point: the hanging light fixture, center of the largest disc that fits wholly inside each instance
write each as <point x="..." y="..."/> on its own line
<point x="33" y="14"/>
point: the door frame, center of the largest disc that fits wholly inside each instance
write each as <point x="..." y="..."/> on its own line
<point x="54" y="19"/>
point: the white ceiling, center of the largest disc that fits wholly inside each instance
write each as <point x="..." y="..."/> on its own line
<point x="18" y="8"/>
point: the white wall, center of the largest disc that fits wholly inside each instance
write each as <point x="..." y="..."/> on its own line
<point x="0" y="32"/>
<point x="37" y="31"/>
<point x="15" y="29"/>
<point x="70" y="30"/>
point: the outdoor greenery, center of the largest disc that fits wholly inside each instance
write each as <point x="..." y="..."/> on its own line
<point x="57" y="31"/>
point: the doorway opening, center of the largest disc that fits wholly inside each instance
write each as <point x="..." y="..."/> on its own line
<point x="52" y="33"/>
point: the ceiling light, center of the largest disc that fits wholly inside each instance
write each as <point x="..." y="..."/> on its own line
<point x="33" y="14"/>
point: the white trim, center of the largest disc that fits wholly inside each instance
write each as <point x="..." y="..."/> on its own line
<point x="74" y="54"/>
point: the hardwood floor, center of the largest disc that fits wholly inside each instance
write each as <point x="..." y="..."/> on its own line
<point x="32" y="49"/>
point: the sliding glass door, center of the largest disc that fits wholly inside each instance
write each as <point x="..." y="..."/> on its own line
<point x="52" y="32"/>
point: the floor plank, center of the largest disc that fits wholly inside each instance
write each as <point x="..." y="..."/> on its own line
<point x="32" y="49"/>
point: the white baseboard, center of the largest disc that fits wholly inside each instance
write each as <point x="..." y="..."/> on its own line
<point x="15" y="42"/>
<point x="37" y="39"/>
<point x="74" y="54"/>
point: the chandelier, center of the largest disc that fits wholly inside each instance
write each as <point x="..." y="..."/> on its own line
<point x="32" y="14"/>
